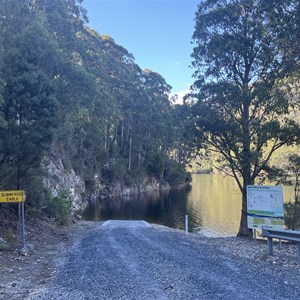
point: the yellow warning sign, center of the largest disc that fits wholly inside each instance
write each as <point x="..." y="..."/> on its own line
<point x="12" y="196"/>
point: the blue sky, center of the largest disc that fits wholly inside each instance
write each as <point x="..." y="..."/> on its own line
<point x="157" y="32"/>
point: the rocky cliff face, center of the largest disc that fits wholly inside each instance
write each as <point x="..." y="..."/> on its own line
<point x="116" y="189"/>
<point x="59" y="180"/>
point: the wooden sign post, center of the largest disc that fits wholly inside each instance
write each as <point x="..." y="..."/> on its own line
<point x="15" y="197"/>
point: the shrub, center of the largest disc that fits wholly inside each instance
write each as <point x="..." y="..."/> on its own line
<point x="292" y="215"/>
<point x="175" y="173"/>
<point x="155" y="165"/>
<point x="8" y="241"/>
<point x="60" y="208"/>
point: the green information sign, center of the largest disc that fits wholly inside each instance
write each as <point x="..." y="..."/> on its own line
<point x="265" y="206"/>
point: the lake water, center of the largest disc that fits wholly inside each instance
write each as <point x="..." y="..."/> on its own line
<point x="213" y="205"/>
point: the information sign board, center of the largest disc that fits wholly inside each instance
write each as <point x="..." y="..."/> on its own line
<point x="12" y="196"/>
<point x="265" y="206"/>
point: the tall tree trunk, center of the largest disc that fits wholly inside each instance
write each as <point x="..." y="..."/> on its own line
<point x="126" y="141"/>
<point x="243" y="230"/>
<point x="122" y="136"/>
<point x="130" y="148"/>
<point x="143" y="155"/>
<point x="106" y="145"/>
<point x="116" y="133"/>
<point x="106" y="138"/>
<point x="140" y="154"/>
<point x="20" y="134"/>
<point x="246" y="163"/>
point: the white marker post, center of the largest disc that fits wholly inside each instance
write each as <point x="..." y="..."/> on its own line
<point x="186" y="225"/>
<point x="254" y="234"/>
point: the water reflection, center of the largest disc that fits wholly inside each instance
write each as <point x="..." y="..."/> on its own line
<point x="217" y="200"/>
<point x="213" y="205"/>
<point x="166" y="209"/>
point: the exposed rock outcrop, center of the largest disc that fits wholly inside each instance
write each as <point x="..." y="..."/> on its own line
<point x="59" y="180"/>
<point x="116" y="189"/>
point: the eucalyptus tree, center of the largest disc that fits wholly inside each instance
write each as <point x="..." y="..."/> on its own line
<point x="29" y="59"/>
<point x="135" y="106"/>
<point x="284" y="16"/>
<point x="63" y="18"/>
<point x="285" y="19"/>
<point x="117" y="78"/>
<point x="240" y="108"/>
<point x="2" y="84"/>
<point x="185" y="147"/>
<point x="158" y="130"/>
<point x="78" y="140"/>
<point x="135" y="102"/>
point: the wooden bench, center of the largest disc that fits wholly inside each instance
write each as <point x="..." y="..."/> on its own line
<point x="281" y="234"/>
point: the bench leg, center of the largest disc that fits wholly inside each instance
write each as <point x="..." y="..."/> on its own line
<point x="298" y="252"/>
<point x="270" y="246"/>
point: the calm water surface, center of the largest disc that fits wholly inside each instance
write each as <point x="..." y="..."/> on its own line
<point x="213" y="205"/>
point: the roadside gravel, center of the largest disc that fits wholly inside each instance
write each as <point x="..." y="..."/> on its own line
<point x="133" y="261"/>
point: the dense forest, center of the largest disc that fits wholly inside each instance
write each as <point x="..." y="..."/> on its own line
<point x="68" y="92"/>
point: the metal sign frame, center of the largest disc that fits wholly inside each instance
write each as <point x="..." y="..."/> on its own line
<point x="265" y="206"/>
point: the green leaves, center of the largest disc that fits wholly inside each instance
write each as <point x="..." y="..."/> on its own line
<point x="29" y="104"/>
<point x="233" y="41"/>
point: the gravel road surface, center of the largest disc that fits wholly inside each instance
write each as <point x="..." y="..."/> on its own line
<point x="133" y="260"/>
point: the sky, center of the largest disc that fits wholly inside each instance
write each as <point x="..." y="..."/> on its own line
<point x="157" y="32"/>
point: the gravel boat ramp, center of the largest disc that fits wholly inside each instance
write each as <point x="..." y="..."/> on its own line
<point x="136" y="260"/>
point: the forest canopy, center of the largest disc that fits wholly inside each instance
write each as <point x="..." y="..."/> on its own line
<point x="69" y="92"/>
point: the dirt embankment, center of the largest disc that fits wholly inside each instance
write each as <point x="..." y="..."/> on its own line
<point x="19" y="274"/>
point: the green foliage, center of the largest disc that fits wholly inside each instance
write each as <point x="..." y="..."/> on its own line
<point x="9" y="239"/>
<point x="5" y="246"/>
<point x="29" y="104"/>
<point x="118" y="172"/>
<point x="155" y="165"/>
<point x="10" y="236"/>
<point x="285" y="18"/>
<point x="292" y="215"/>
<point x="37" y="196"/>
<point x="60" y="208"/>
<point x="175" y="173"/>
<point x="292" y="209"/>
<point x="166" y="169"/>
